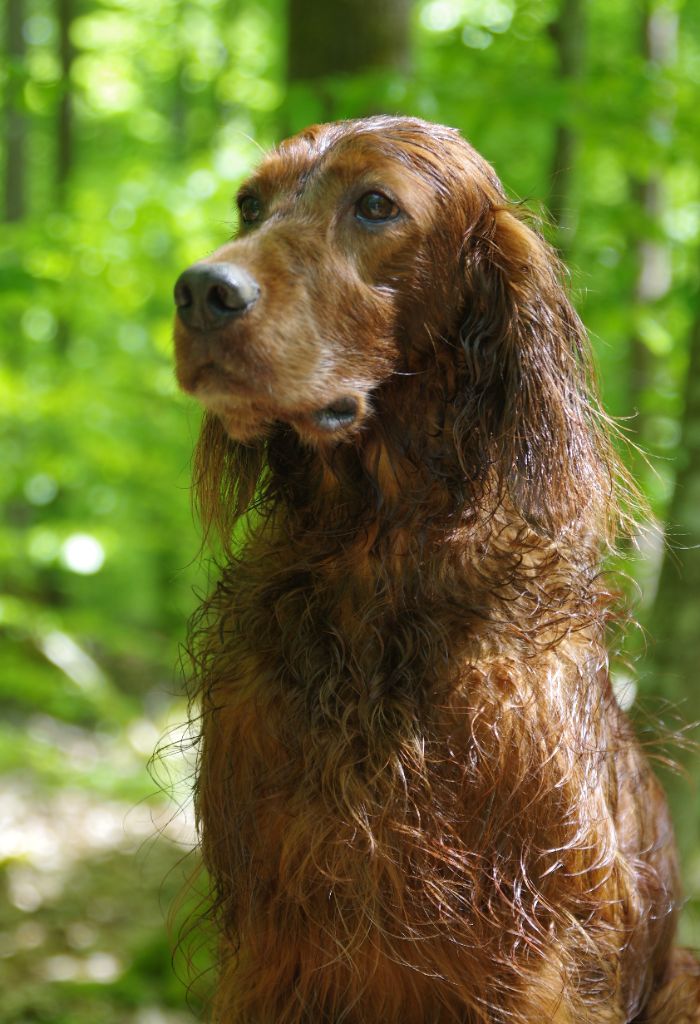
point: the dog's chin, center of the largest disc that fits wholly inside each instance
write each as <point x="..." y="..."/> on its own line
<point x="248" y="420"/>
<point x="242" y="416"/>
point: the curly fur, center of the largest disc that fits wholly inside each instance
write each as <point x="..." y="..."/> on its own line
<point x="418" y="799"/>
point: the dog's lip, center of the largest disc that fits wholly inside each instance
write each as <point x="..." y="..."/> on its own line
<point x="341" y="412"/>
<point x="211" y="377"/>
<point x="221" y="391"/>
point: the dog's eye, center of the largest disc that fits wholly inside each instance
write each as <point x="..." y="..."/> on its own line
<point x="374" y="206"/>
<point x="251" y="209"/>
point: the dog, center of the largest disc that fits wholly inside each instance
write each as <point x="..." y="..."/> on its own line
<point x="418" y="799"/>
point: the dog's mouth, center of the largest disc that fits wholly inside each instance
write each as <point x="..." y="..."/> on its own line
<point x="215" y="387"/>
<point x="210" y="380"/>
<point x="246" y="408"/>
<point x="339" y="414"/>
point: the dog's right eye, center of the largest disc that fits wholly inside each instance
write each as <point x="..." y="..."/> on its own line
<point x="250" y="208"/>
<point x="376" y="207"/>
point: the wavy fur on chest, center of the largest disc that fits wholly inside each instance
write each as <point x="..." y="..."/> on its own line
<point x="407" y="820"/>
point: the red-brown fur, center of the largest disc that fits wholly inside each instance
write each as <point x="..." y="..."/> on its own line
<point x="418" y="798"/>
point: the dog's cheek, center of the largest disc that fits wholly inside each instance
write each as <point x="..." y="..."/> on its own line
<point x="357" y="324"/>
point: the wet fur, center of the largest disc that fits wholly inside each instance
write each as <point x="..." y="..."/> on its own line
<point x="418" y="799"/>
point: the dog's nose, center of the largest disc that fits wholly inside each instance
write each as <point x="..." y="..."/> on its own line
<point x="208" y="295"/>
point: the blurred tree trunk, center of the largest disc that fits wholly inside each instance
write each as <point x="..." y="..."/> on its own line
<point x="64" y="122"/>
<point x="568" y="33"/>
<point x="178" y="113"/>
<point x="15" y="120"/>
<point x="659" y="32"/>
<point x="675" y="620"/>
<point x="64" y="135"/>
<point x="345" y="37"/>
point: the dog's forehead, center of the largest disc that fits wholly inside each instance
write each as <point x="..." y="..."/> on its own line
<point x="304" y="161"/>
<point x="285" y="167"/>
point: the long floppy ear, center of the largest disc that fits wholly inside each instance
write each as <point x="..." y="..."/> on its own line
<point x="530" y="420"/>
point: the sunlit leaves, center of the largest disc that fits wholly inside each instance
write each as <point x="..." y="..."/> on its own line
<point x="476" y="18"/>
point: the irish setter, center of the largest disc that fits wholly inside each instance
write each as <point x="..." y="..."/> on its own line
<point x="419" y="801"/>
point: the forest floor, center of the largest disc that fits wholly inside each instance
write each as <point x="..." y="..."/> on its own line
<point x="90" y="888"/>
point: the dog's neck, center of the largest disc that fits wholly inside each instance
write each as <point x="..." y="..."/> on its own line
<point x="387" y="526"/>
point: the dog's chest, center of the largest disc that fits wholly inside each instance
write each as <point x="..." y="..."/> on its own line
<point x="330" y="769"/>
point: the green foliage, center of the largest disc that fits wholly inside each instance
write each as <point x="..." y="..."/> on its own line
<point x="171" y="101"/>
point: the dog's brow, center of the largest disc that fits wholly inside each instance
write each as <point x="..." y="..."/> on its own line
<point x="370" y="156"/>
<point x="277" y="175"/>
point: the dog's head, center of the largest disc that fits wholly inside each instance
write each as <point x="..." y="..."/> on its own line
<point x="348" y="250"/>
<point x="379" y="270"/>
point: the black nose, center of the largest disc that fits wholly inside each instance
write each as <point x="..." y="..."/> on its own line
<point x="208" y="295"/>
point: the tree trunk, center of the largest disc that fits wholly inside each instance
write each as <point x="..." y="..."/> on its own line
<point x="64" y="124"/>
<point x="675" y="621"/>
<point x="346" y="36"/>
<point x="659" y="32"/>
<point x="64" y="136"/>
<point x="15" y="121"/>
<point x="327" y="41"/>
<point x="568" y="33"/>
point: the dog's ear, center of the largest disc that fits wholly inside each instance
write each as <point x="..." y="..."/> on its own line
<point x="227" y="475"/>
<point x="529" y="422"/>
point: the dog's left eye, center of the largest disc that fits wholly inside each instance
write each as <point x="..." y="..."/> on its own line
<point x="251" y="209"/>
<point x="375" y="206"/>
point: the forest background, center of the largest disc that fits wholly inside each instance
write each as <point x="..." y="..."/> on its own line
<point x="127" y="127"/>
